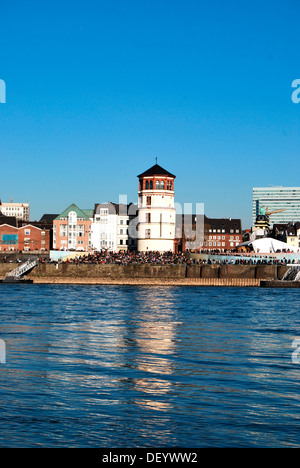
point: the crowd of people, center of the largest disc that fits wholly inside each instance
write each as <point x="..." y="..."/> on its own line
<point x="163" y="258"/>
<point x="127" y="258"/>
<point x="262" y="260"/>
<point x="169" y="258"/>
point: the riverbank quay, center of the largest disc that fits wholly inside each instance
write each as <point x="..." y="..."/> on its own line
<point x="280" y="284"/>
<point x="158" y="272"/>
<point x="222" y="282"/>
<point x="137" y="274"/>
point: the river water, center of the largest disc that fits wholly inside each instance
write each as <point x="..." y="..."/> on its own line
<point x="127" y="366"/>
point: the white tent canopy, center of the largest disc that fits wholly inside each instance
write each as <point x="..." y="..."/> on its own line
<point x="269" y="245"/>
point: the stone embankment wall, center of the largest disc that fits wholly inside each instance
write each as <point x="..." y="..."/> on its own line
<point x="6" y="267"/>
<point x="164" y="272"/>
<point x="109" y="271"/>
<point x="237" y="271"/>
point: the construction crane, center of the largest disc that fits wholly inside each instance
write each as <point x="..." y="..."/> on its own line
<point x="269" y="213"/>
<point x="263" y="219"/>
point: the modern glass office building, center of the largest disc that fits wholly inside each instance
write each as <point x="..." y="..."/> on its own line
<point x="277" y="198"/>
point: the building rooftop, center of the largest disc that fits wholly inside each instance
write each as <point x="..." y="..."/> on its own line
<point x="89" y="212"/>
<point x="80" y="213"/>
<point x="209" y="223"/>
<point x="115" y="208"/>
<point x="156" y="170"/>
<point x="10" y="220"/>
<point x="48" y="218"/>
<point x="224" y="223"/>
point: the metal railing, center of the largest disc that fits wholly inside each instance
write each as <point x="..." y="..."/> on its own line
<point x="22" y="269"/>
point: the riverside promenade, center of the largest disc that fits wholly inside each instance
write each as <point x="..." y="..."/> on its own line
<point x="159" y="270"/>
<point x="159" y="275"/>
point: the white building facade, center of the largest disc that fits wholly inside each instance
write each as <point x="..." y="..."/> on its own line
<point x="111" y="227"/>
<point x="104" y="228"/>
<point x="18" y="210"/>
<point x="156" y="210"/>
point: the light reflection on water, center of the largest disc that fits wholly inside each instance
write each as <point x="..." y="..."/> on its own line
<point x="97" y="366"/>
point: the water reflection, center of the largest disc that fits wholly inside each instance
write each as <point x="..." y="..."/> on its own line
<point x="126" y="366"/>
<point x="151" y="344"/>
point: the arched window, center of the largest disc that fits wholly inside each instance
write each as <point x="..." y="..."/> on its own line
<point x="147" y="185"/>
<point x="72" y="217"/>
<point x="151" y="184"/>
<point x="157" y="184"/>
<point x="162" y="185"/>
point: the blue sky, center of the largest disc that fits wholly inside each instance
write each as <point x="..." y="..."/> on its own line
<point x="95" y="90"/>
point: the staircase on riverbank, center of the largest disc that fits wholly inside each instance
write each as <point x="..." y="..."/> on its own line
<point x="18" y="273"/>
<point x="293" y="274"/>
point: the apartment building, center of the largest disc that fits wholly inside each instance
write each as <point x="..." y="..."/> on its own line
<point x="72" y="229"/>
<point x="222" y="234"/>
<point x="104" y="227"/>
<point x="27" y="238"/>
<point x="288" y="233"/>
<point x="20" y="211"/>
<point x="198" y="232"/>
<point x="113" y="227"/>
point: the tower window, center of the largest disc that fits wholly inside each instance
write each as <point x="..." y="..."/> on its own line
<point x="157" y="184"/>
<point x="148" y="201"/>
<point x="147" y="184"/>
<point x="162" y="185"/>
<point x="151" y="184"/>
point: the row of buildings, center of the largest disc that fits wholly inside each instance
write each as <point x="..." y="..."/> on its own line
<point x="109" y="229"/>
<point x="150" y="225"/>
<point x="19" y="235"/>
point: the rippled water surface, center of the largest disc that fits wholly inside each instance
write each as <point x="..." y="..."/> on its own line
<point x="124" y="366"/>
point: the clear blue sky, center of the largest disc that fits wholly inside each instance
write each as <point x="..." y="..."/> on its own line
<point x="95" y="90"/>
